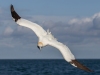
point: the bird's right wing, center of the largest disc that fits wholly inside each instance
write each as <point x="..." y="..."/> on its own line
<point x="68" y="56"/>
<point x="39" y="31"/>
<point x="65" y="51"/>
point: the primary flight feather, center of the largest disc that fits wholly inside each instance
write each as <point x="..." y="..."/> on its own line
<point x="46" y="38"/>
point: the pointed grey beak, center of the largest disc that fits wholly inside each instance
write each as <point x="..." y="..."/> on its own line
<point x="39" y="47"/>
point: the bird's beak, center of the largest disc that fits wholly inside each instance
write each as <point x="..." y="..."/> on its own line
<point x="39" y="47"/>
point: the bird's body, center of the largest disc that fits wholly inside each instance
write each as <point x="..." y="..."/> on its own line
<point x="46" y="38"/>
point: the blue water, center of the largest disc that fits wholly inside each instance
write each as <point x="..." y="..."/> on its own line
<point x="47" y="67"/>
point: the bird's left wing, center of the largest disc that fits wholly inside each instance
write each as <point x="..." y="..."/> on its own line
<point x="39" y="31"/>
<point x="68" y="56"/>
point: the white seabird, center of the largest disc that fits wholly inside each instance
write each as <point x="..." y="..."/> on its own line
<point x="46" y="38"/>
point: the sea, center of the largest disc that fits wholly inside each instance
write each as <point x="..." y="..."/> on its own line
<point x="47" y="67"/>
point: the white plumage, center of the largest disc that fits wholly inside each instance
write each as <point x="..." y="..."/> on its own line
<point x="39" y="31"/>
<point x="46" y="38"/>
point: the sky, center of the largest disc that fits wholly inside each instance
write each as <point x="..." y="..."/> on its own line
<point x="75" y="23"/>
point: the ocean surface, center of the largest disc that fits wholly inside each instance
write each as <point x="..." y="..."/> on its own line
<point x="47" y="67"/>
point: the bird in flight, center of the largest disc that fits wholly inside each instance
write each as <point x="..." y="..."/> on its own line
<point x="46" y="38"/>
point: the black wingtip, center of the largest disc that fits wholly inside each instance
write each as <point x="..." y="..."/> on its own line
<point x="80" y="66"/>
<point x="11" y="8"/>
<point x="14" y="14"/>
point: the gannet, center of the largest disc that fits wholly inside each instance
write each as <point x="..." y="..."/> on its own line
<point x="46" y="38"/>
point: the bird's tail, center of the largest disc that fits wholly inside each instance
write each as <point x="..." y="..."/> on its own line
<point x="14" y="14"/>
<point x="75" y="63"/>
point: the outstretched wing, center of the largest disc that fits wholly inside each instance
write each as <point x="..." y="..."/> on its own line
<point x="68" y="56"/>
<point x="39" y="31"/>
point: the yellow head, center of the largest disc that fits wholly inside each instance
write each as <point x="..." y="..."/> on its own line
<point x="40" y="45"/>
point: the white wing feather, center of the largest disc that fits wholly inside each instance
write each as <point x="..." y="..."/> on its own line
<point x="68" y="56"/>
<point x="39" y="31"/>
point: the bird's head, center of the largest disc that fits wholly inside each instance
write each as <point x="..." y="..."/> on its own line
<point x="40" y="45"/>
